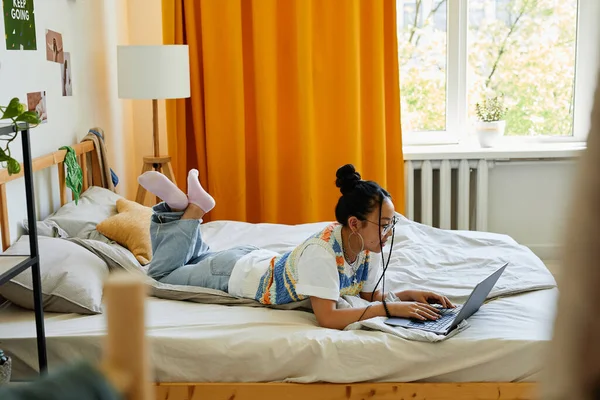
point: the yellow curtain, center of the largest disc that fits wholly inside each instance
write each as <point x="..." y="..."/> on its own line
<point x="284" y="93"/>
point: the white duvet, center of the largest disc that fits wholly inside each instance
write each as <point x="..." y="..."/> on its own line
<point x="449" y="262"/>
<point x="191" y="342"/>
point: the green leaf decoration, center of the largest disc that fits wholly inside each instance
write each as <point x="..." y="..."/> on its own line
<point x="13" y="166"/>
<point x="31" y="117"/>
<point x="3" y="156"/>
<point x="74" y="176"/>
<point x="16" y="112"/>
<point x="14" y="109"/>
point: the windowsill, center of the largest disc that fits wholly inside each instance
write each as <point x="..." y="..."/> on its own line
<point x="506" y="148"/>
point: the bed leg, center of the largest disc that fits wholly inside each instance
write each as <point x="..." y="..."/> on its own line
<point x="126" y="349"/>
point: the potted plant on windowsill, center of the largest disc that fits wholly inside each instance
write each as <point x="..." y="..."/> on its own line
<point x="490" y="123"/>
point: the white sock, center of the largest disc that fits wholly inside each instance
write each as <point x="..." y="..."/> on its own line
<point x="196" y="193"/>
<point x="159" y="185"/>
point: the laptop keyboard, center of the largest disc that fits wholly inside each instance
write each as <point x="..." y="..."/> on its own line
<point x="447" y="316"/>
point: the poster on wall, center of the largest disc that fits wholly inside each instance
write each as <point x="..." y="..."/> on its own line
<point x="54" y="47"/>
<point x="19" y="24"/>
<point x="37" y="102"/>
<point x="65" y="76"/>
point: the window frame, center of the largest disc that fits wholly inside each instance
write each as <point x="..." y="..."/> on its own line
<point x="458" y="128"/>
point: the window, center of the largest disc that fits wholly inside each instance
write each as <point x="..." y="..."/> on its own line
<point x="439" y="12"/>
<point x="476" y="13"/>
<point x="504" y="10"/>
<point x="541" y="55"/>
<point x="412" y="13"/>
<point x="423" y="59"/>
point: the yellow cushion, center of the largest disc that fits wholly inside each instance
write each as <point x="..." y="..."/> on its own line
<point x="130" y="227"/>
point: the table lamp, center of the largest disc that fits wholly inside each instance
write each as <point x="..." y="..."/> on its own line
<point x="153" y="73"/>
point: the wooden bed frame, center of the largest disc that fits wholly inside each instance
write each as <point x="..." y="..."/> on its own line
<point x="288" y="391"/>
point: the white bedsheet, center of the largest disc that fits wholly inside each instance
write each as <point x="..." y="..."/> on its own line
<point x="192" y="342"/>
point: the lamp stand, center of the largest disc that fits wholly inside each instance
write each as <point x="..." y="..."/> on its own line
<point x="157" y="162"/>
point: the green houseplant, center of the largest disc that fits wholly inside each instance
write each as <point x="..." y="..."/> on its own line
<point x="490" y="120"/>
<point x="16" y="112"/>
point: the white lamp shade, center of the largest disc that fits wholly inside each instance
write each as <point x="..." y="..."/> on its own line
<point x="153" y="72"/>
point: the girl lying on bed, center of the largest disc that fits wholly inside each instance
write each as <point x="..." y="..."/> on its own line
<point x="342" y="259"/>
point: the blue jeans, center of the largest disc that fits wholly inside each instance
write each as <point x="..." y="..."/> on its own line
<point x="181" y="257"/>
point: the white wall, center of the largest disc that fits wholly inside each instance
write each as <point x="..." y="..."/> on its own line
<point x="529" y="200"/>
<point x="90" y="31"/>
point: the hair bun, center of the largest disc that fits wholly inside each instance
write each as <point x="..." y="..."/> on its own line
<point x="347" y="178"/>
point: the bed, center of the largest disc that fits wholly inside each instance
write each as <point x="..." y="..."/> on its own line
<point x="218" y="351"/>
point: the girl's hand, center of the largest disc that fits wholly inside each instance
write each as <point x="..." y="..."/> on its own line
<point x="410" y="309"/>
<point x="421" y="296"/>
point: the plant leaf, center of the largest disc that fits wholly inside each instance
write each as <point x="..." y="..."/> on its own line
<point x="13" y="166"/>
<point x="31" y="117"/>
<point x="13" y="109"/>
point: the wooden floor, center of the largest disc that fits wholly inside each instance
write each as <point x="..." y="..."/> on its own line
<point x="361" y="391"/>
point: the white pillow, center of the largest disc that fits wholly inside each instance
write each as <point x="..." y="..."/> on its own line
<point x="95" y="205"/>
<point x="72" y="277"/>
<point x="46" y="228"/>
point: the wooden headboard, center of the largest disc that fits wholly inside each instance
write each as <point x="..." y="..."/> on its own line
<point x="86" y="156"/>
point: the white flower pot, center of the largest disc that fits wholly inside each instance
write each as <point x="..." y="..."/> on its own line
<point x="489" y="132"/>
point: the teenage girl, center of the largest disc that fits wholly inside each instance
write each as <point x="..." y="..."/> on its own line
<point x="342" y="259"/>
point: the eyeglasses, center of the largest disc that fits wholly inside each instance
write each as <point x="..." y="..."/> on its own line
<point x="386" y="228"/>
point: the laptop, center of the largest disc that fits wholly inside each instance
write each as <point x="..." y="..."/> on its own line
<point x="451" y="317"/>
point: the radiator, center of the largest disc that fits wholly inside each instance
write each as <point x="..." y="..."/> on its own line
<point x="448" y="194"/>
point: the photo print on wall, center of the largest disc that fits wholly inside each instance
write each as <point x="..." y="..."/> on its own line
<point x="54" y="47"/>
<point x="36" y="101"/>
<point x="65" y="76"/>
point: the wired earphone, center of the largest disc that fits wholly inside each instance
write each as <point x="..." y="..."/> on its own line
<point x="384" y="263"/>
